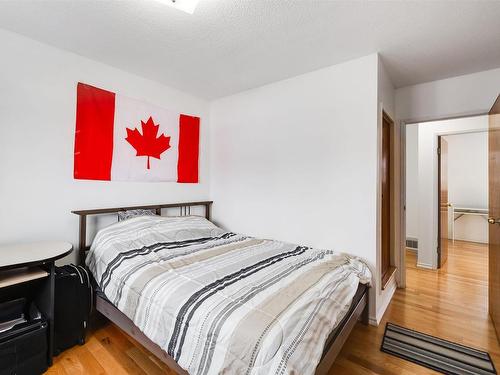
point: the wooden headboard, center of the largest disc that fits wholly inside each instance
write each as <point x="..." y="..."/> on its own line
<point x="184" y="209"/>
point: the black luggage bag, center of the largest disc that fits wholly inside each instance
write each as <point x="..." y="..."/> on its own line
<point x="73" y="305"/>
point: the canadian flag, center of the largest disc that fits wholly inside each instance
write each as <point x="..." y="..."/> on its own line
<point x="119" y="138"/>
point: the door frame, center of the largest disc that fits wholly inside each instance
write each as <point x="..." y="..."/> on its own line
<point x="391" y="200"/>
<point x="440" y="202"/>
<point x="400" y="180"/>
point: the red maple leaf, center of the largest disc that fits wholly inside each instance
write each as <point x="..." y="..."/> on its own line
<point x="147" y="143"/>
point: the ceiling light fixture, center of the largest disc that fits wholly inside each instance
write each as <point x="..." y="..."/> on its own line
<point x="187" y="6"/>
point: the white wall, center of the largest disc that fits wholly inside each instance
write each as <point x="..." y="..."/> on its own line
<point x="428" y="180"/>
<point x="386" y="92"/>
<point x="467" y="174"/>
<point x="289" y="162"/>
<point x="37" y="124"/>
<point x="468" y="167"/>
<point x="457" y="96"/>
<point x="412" y="181"/>
<point x="451" y="97"/>
<point x="386" y="103"/>
<point x="468" y="181"/>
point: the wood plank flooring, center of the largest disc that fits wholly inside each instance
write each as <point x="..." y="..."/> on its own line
<point x="450" y="303"/>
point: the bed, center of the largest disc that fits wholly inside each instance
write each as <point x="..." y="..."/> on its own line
<point x="206" y="301"/>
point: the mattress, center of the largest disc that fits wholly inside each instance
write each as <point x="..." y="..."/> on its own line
<point x="221" y="302"/>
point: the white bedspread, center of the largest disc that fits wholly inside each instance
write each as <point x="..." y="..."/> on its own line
<point x="220" y="302"/>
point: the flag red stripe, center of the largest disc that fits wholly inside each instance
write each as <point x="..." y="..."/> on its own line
<point x="189" y="135"/>
<point x="95" y="113"/>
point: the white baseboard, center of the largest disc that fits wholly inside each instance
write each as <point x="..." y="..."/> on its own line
<point x="475" y="240"/>
<point x="389" y="291"/>
<point x="425" y="265"/>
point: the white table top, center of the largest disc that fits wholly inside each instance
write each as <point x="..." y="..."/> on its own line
<point x="25" y="253"/>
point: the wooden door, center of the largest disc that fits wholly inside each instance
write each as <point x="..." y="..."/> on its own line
<point x="494" y="213"/>
<point x="443" y="201"/>
<point x="386" y="199"/>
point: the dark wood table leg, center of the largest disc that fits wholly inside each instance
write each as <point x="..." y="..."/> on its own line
<point x="45" y="303"/>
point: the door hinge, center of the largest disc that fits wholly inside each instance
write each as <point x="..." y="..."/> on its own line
<point x="439" y="150"/>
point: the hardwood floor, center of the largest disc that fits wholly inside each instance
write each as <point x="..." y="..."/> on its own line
<point x="450" y="303"/>
<point x="108" y="351"/>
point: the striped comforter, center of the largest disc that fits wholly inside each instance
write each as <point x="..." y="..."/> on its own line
<point x="220" y="302"/>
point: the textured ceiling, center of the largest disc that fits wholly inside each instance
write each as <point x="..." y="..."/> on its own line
<point x="228" y="46"/>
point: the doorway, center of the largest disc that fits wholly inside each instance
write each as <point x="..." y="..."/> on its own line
<point x="446" y="192"/>
<point x="467" y="229"/>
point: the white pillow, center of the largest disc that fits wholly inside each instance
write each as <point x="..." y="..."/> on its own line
<point x="124" y="215"/>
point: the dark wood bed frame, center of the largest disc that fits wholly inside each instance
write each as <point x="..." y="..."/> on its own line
<point x="334" y="343"/>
